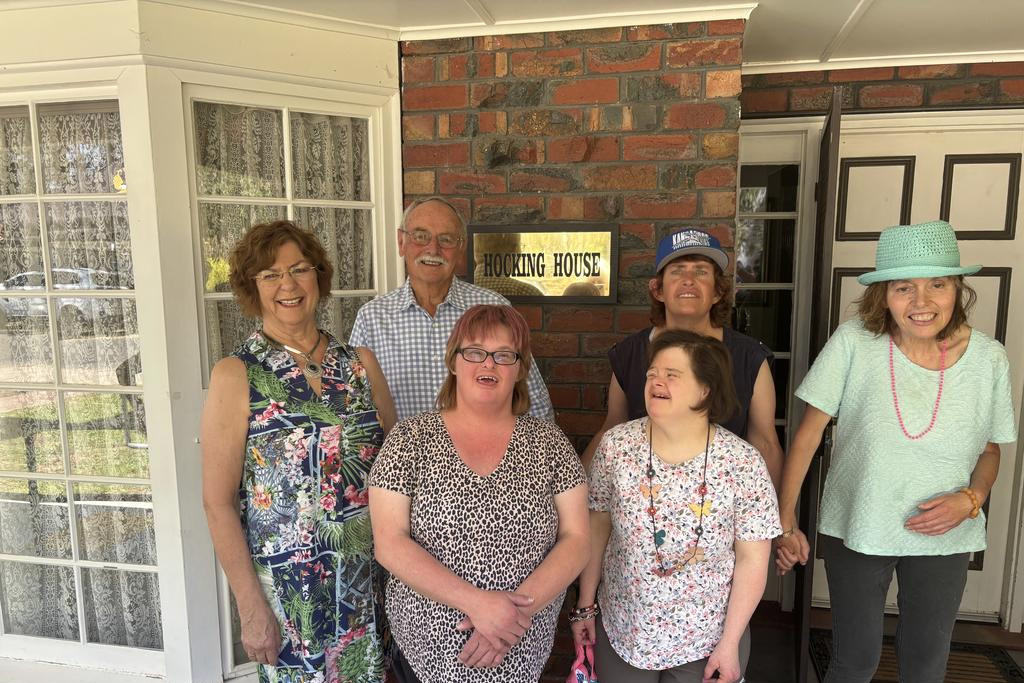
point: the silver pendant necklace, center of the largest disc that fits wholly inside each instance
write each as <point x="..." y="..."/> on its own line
<point x="312" y="369"/>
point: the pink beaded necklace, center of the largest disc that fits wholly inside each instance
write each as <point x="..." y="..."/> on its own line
<point x="938" y="397"/>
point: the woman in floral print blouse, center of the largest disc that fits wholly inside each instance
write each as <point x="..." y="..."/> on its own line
<point x="292" y="424"/>
<point x="686" y="512"/>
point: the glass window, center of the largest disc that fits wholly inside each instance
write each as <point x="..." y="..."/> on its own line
<point x="240" y="163"/>
<point x="768" y="188"/>
<point x="54" y="521"/>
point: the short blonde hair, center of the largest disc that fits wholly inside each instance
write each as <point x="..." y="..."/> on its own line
<point x="479" y="321"/>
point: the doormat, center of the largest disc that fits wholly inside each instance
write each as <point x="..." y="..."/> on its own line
<point x="967" y="663"/>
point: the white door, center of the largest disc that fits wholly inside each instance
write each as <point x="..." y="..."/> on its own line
<point x="965" y="169"/>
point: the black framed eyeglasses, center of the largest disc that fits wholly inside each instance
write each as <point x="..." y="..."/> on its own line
<point x="474" y="355"/>
<point x="420" y="237"/>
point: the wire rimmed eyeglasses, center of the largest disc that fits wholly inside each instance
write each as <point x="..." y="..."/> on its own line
<point x="420" y="237"/>
<point x="474" y="355"/>
<point x="300" y="272"/>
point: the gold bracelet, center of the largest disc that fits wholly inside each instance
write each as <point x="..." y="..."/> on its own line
<point x="975" y="505"/>
<point x="788" y="532"/>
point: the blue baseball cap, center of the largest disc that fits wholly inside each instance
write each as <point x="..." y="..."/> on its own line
<point x="691" y="241"/>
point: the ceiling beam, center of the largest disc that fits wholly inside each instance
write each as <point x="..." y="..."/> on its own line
<point x="845" y="30"/>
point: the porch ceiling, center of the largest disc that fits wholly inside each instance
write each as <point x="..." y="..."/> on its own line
<point x="781" y="34"/>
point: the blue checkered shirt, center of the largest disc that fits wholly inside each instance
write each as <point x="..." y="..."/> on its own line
<point x="410" y="344"/>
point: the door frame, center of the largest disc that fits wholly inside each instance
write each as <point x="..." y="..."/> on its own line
<point x="810" y="128"/>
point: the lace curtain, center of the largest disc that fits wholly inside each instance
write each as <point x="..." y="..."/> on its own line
<point x="80" y="153"/>
<point x="240" y="153"/>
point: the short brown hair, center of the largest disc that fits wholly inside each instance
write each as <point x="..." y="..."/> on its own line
<point x="479" y="321"/>
<point x="874" y="313"/>
<point x="256" y="251"/>
<point x="711" y="365"/>
<point x="721" y="310"/>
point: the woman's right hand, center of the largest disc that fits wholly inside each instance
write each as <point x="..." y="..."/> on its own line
<point x="791" y="549"/>
<point x="261" y="634"/>
<point x="501" y="617"/>
<point x="584" y="632"/>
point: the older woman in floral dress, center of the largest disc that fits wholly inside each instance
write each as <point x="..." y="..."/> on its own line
<point x="292" y="423"/>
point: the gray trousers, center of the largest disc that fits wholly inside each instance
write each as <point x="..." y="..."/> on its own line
<point x="930" y="588"/>
<point x="612" y="669"/>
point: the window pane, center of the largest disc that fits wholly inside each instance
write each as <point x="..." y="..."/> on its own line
<point x="347" y="235"/>
<point x="91" y="240"/>
<point x="339" y="314"/>
<point x="18" y="175"/>
<point x="115" y="523"/>
<point x="21" y="253"/>
<point x="38" y="600"/>
<point x="226" y="328"/>
<point x="764" y="250"/>
<point x="107" y="434"/>
<point x="239" y="150"/>
<point x="99" y="341"/>
<point x="29" y="432"/>
<point x="765" y="315"/>
<point x="330" y="157"/>
<point x="220" y="228"/>
<point x="768" y="188"/>
<point x="780" y="377"/>
<point x="25" y="353"/>
<point x="81" y="148"/>
<point x="122" y="608"/>
<point x="34" y="518"/>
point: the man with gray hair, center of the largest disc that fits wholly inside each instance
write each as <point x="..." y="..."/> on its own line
<point x="408" y="328"/>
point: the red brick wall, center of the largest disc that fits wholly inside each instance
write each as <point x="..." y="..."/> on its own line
<point x="904" y="88"/>
<point x="633" y="126"/>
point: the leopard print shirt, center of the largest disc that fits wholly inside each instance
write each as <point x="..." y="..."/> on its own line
<point x="492" y="531"/>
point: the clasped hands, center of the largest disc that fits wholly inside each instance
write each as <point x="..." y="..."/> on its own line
<point x="498" y="620"/>
<point x="938" y="515"/>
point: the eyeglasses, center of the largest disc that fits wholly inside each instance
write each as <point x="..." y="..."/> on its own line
<point x="421" y="237"/>
<point x="474" y="355"/>
<point x="301" y="272"/>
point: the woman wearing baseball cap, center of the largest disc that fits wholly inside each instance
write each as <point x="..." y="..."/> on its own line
<point x="922" y="401"/>
<point x="692" y="291"/>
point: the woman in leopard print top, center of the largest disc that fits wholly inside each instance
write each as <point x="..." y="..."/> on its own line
<point x="479" y="513"/>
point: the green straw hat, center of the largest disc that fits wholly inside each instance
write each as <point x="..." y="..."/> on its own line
<point x="921" y="250"/>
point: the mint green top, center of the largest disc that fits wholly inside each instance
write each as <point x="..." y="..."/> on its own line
<point x="877" y="476"/>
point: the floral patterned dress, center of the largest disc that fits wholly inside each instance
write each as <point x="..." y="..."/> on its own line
<point x="304" y="511"/>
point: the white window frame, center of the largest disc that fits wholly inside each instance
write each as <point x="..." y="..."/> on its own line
<point x="81" y="653"/>
<point x="384" y="204"/>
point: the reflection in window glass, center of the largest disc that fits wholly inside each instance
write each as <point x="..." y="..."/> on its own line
<point x="25" y="351"/>
<point x="107" y="434"/>
<point x="99" y="341"/>
<point x="768" y="187"/>
<point x="115" y="523"/>
<point x="239" y="150"/>
<point x="765" y="315"/>
<point x="29" y="432"/>
<point x="34" y="518"/>
<point x="764" y="250"/>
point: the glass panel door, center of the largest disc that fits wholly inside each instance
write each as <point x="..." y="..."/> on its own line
<point x="77" y="543"/>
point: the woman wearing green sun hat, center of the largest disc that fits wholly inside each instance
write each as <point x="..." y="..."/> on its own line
<point x="922" y="401"/>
